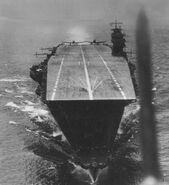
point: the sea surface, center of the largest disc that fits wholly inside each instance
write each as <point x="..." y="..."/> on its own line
<point x="21" y="109"/>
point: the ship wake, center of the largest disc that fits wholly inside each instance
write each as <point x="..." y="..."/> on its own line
<point x="47" y="141"/>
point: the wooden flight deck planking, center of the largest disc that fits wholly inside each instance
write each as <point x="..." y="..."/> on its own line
<point x="88" y="72"/>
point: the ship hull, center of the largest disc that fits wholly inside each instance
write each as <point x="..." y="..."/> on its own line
<point x="88" y="125"/>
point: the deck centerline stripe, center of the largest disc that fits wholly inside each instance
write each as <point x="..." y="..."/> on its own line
<point x="111" y="74"/>
<point x="89" y="89"/>
<point x="57" y="80"/>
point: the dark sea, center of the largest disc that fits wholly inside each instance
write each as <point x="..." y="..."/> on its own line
<point x="20" y="108"/>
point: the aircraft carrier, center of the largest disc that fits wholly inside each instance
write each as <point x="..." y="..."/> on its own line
<point x="86" y="86"/>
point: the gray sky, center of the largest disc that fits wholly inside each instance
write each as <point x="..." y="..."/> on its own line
<point x="124" y="10"/>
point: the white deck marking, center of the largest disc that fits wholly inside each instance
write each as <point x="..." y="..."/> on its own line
<point x="113" y="77"/>
<point x="89" y="89"/>
<point x="57" y="80"/>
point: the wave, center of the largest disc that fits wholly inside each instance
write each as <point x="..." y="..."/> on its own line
<point x="18" y="90"/>
<point x="14" y="79"/>
<point x="13" y="123"/>
<point x="34" y="111"/>
<point x="9" y="91"/>
<point x="12" y="104"/>
<point x="24" y="90"/>
<point x="19" y="96"/>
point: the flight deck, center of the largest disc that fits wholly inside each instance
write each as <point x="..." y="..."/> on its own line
<point x="88" y="72"/>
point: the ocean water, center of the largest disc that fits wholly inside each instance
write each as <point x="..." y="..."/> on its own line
<point x="21" y="109"/>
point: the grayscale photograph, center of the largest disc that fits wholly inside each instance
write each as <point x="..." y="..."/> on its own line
<point x="84" y="92"/>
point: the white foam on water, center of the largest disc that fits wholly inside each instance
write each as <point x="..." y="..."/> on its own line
<point x="13" y="123"/>
<point x="24" y="90"/>
<point x="29" y="102"/>
<point x="14" y="79"/>
<point x="59" y="133"/>
<point x="39" y="119"/>
<point x="32" y="109"/>
<point x="128" y="113"/>
<point x="28" y="130"/>
<point x="9" y="91"/>
<point x="154" y="89"/>
<point x="82" y="173"/>
<point x="52" y="168"/>
<point x="20" y="90"/>
<point x="45" y="137"/>
<point x="36" y="113"/>
<point x="120" y="131"/>
<point x="19" y="96"/>
<point x="132" y="112"/>
<point x="32" y="131"/>
<point x="56" y="133"/>
<point x="12" y="104"/>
